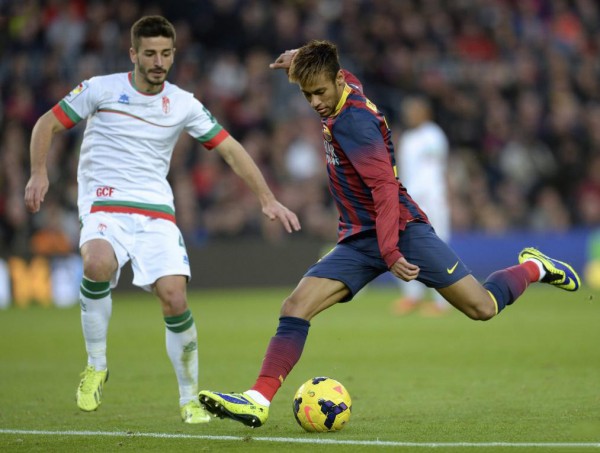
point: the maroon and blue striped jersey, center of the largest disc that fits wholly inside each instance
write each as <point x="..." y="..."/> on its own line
<point x="362" y="172"/>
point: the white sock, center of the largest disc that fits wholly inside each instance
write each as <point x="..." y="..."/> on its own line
<point x="96" y="308"/>
<point x="182" y="349"/>
<point x="258" y="397"/>
<point x="540" y="266"/>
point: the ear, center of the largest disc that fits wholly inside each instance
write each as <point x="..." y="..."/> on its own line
<point x="132" y="54"/>
<point x="340" y="80"/>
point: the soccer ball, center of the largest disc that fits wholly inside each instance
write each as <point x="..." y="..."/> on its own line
<point x="322" y="404"/>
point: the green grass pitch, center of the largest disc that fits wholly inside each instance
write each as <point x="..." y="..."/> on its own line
<point x="528" y="380"/>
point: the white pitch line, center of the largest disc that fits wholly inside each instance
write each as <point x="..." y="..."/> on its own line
<point x="297" y="440"/>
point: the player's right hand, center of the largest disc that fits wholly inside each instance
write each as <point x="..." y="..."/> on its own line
<point x="35" y="191"/>
<point x="405" y="270"/>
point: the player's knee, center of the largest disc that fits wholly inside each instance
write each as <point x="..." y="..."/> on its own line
<point x="97" y="269"/>
<point x="482" y="311"/>
<point x="293" y="306"/>
<point x="173" y="300"/>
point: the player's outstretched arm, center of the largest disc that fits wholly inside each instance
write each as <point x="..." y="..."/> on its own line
<point x="244" y="166"/>
<point x="41" y="138"/>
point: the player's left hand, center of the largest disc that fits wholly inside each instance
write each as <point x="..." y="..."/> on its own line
<point x="275" y="210"/>
<point x="35" y="191"/>
<point x="405" y="270"/>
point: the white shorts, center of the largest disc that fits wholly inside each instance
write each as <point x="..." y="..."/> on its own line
<point x="154" y="246"/>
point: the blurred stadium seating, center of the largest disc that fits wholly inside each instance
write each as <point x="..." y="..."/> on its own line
<point x="515" y="85"/>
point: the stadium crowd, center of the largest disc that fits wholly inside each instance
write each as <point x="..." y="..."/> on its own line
<point x="514" y="84"/>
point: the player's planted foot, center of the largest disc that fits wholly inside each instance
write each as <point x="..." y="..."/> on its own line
<point x="89" y="392"/>
<point x="236" y="406"/>
<point x="558" y="273"/>
<point x="193" y="413"/>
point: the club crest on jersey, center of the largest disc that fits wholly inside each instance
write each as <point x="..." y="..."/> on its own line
<point x="166" y="105"/>
<point x="327" y="133"/>
<point x="77" y="91"/>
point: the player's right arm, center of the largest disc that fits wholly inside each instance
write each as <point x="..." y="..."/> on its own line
<point x="41" y="139"/>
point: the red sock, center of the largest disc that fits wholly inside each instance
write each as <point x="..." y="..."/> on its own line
<point x="532" y="270"/>
<point x="284" y="351"/>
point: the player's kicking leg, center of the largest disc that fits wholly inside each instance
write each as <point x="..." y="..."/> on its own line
<point x="503" y="287"/>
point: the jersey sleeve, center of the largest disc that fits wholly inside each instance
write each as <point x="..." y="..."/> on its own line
<point x="204" y="127"/>
<point x="77" y="105"/>
<point x="360" y="138"/>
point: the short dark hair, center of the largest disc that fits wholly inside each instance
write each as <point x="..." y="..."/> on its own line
<point x="313" y="59"/>
<point x="150" y="27"/>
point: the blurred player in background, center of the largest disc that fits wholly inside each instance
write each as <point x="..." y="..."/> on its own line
<point x="380" y="229"/>
<point x="126" y="204"/>
<point x="422" y="168"/>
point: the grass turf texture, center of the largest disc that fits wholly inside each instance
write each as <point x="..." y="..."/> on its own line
<point x="530" y="375"/>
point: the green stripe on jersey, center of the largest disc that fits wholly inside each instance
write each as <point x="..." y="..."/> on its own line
<point x="210" y="134"/>
<point x="69" y="112"/>
<point x="132" y="204"/>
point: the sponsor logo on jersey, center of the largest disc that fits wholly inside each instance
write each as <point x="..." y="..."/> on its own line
<point x="105" y="191"/>
<point x="332" y="158"/>
<point x="327" y="133"/>
<point x="123" y="99"/>
<point x="77" y="91"/>
<point x="102" y="228"/>
<point x="166" y="105"/>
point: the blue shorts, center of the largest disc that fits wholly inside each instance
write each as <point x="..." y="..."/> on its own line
<point x="357" y="260"/>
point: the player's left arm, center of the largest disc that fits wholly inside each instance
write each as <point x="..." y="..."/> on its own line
<point x="244" y="166"/>
<point x="363" y="144"/>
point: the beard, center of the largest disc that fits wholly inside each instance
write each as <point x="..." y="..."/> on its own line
<point x="153" y="76"/>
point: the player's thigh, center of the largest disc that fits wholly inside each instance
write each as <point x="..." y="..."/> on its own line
<point x="353" y="263"/>
<point x="470" y="297"/>
<point x="104" y="242"/>
<point x="439" y="265"/>
<point x="312" y="296"/>
<point x="159" y="251"/>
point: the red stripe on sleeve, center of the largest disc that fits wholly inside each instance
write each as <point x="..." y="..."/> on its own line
<point x="216" y="140"/>
<point x="62" y="117"/>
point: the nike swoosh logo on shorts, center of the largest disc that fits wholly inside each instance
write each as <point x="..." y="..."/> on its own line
<point x="451" y="270"/>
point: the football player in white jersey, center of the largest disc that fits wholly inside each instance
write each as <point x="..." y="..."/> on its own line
<point x="126" y="204"/>
<point x="422" y="167"/>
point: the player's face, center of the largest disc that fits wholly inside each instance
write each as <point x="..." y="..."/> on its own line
<point x="153" y="60"/>
<point x="323" y="94"/>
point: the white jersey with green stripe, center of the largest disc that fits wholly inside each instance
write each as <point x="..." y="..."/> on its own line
<point x="128" y="142"/>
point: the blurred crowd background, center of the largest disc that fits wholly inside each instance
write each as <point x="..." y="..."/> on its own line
<point x="514" y="84"/>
